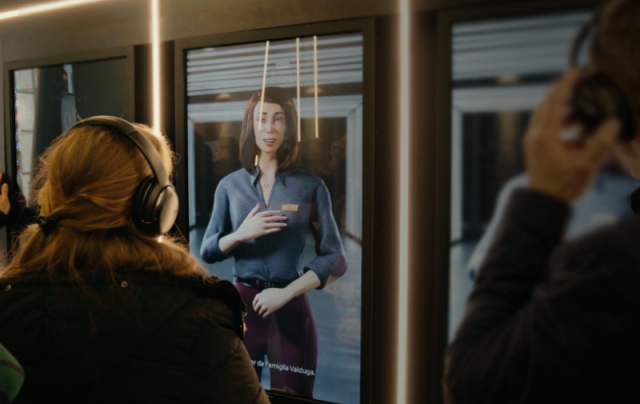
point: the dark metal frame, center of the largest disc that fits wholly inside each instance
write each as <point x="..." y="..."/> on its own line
<point x="366" y="26"/>
<point x="7" y="148"/>
<point x="446" y="19"/>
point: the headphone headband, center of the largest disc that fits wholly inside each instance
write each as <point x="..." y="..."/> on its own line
<point x="155" y="203"/>
<point x="586" y="29"/>
<point x="596" y="97"/>
<point x="143" y="144"/>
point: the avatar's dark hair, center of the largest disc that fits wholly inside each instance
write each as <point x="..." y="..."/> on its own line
<point x="289" y="150"/>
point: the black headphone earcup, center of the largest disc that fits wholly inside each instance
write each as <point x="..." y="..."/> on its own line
<point x="595" y="99"/>
<point x="155" y="208"/>
<point x="167" y="206"/>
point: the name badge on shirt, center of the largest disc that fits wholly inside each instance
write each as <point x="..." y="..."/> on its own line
<point x="290" y="207"/>
<point x="602" y="219"/>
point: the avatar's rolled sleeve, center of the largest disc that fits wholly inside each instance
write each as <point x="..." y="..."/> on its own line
<point x="330" y="258"/>
<point x="219" y="226"/>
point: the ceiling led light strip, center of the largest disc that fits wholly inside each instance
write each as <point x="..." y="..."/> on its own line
<point x="43" y="8"/>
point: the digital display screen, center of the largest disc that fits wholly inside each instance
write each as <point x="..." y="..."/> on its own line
<point x="502" y="69"/>
<point x="49" y="100"/>
<point x="274" y="136"/>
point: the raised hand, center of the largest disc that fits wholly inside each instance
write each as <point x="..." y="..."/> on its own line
<point x="556" y="167"/>
<point x="270" y="300"/>
<point x="260" y="224"/>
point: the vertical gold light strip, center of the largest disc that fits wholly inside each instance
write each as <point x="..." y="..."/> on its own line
<point x="298" y="77"/>
<point x="264" y="82"/>
<point x="315" y="79"/>
<point x="155" y="44"/>
<point x="403" y="264"/>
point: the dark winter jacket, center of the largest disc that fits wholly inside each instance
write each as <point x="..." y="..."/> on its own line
<point x="550" y="322"/>
<point x="145" y="338"/>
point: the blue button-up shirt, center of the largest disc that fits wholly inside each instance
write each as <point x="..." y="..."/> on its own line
<point x="304" y="200"/>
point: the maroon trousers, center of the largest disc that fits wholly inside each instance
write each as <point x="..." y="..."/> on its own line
<point x="289" y="339"/>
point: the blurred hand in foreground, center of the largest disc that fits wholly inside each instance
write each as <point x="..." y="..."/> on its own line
<point x="557" y="167"/>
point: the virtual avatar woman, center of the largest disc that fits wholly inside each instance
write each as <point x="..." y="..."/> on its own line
<point x="261" y="216"/>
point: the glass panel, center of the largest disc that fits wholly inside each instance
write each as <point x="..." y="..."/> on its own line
<point x="49" y="100"/>
<point x="501" y="71"/>
<point x="312" y="130"/>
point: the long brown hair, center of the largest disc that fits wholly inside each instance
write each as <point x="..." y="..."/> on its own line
<point x="288" y="152"/>
<point x="86" y="180"/>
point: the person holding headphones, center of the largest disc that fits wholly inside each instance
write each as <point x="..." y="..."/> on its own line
<point x="558" y="323"/>
<point x="101" y="306"/>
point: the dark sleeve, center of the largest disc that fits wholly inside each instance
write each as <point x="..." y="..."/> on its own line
<point x="505" y="326"/>
<point x="330" y="256"/>
<point x="3" y="219"/>
<point x="234" y="380"/>
<point x="220" y="367"/>
<point x="219" y="226"/>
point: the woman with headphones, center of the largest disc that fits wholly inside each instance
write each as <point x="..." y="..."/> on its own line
<point x="97" y="304"/>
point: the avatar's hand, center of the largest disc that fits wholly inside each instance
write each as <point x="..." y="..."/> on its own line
<point x="556" y="167"/>
<point x="260" y="224"/>
<point x="270" y="300"/>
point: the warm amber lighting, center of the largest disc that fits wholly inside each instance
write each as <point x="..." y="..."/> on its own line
<point x="315" y="79"/>
<point x="298" y="77"/>
<point x="403" y="270"/>
<point x="155" y="44"/>
<point x="43" y="7"/>
<point x="264" y="82"/>
<point x="9" y="14"/>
